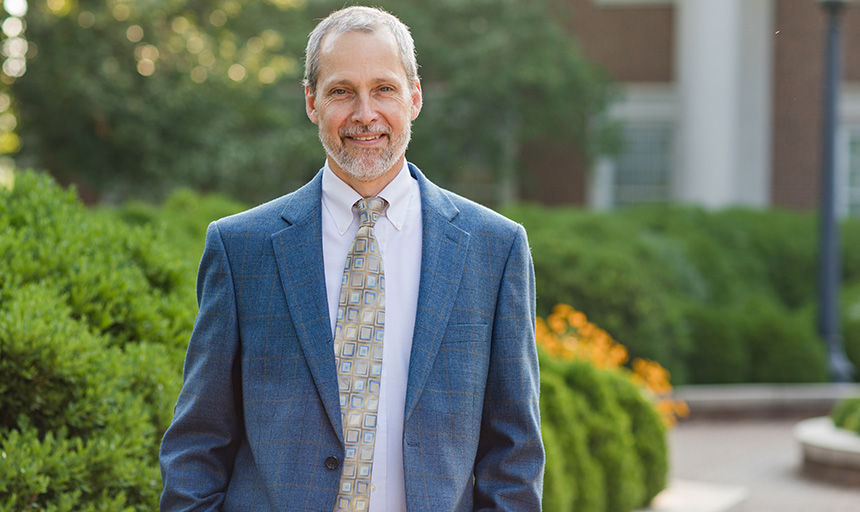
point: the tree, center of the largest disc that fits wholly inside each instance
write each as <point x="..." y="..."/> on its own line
<point x="134" y="98"/>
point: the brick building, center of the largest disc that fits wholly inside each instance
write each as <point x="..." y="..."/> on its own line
<point x="721" y="103"/>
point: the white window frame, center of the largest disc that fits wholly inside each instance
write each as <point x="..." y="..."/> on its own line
<point x="640" y="105"/>
<point x="633" y="3"/>
<point x="848" y="128"/>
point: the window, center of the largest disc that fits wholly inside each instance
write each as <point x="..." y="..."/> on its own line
<point x="850" y="197"/>
<point x="642" y="173"/>
<point x="645" y="169"/>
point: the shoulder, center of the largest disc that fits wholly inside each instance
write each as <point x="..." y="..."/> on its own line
<point x="464" y="213"/>
<point x="477" y="218"/>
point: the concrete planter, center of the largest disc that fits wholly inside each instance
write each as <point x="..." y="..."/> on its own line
<point x="828" y="451"/>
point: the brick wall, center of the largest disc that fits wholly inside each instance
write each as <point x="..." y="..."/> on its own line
<point x="633" y="44"/>
<point x="799" y="52"/>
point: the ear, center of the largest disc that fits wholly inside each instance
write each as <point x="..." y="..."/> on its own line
<point x="310" y="105"/>
<point x="417" y="99"/>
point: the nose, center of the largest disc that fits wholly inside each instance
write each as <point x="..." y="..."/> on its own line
<point x="365" y="110"/>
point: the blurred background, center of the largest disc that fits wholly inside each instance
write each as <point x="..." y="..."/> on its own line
<point x="665" y="156"/>
<point x="588" y="102"/>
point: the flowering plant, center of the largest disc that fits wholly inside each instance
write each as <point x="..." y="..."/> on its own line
<point x="568" y="335"/>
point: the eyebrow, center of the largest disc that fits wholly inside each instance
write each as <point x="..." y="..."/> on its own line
<point x="347" y="82"/>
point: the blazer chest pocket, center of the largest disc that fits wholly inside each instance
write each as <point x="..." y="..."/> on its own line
<point x="463" y="333"/>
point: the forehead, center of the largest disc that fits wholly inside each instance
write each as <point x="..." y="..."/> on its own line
<point x="360" y="55"/>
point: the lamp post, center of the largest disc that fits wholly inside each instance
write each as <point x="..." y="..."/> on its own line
<point x="829" y="263"/>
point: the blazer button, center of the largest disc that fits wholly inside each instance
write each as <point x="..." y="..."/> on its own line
<point x="331" y="463"/>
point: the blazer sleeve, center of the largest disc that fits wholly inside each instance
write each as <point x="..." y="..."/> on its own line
<point x="199" y="447"/>
<point x="510" y="459"/>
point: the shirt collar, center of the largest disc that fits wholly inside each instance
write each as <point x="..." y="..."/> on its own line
<point x="338" y="198"/>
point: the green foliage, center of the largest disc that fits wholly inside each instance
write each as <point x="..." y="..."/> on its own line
<point x="604" y="435"/>
<point x="94" y="318"/>
<point x="574" y="479"/>
<point x="88" y="114"/>
<point x="719" y="355"/>
<point x="850" y="318"/>
<point x="604" y="267"/>
<point x="782" y="344"/>
<point x="183" y="218"/>
<point x="210" y="96"/>
<point x="846" y="414"/>
<point x="649" y="435"/>
<point x="714" y="296"/>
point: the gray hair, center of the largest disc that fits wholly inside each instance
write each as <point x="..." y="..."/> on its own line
<point x="359" y="19"/>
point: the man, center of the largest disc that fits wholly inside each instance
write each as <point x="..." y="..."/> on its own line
<point x="310" y="385"/>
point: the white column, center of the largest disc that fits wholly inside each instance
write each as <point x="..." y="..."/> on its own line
<point x="753" y="172"/>
<point x="709" y="72"/>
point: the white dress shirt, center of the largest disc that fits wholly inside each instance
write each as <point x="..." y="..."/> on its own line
<point x="399" y="234"/>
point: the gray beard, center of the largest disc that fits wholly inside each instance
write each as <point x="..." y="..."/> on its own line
<point x="366" y="165"/>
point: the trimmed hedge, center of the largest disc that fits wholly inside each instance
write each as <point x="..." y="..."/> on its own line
<point x="94" y="320"/>
<point x="715" y="296"/>
<point x="605" y="442"/>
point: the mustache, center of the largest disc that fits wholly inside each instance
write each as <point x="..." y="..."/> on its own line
<point x="357" y="131"/>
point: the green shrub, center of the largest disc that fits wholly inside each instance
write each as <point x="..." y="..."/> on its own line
<point x="574" y="479"/>
<point x="183" y="218"/>
<point x="782" y="344"/>
<point x="603" y="266"/>
<point x="784" y="243"/>
<point x="714" y="296"/>
<point x="604" y="434"/>
<point x="649" y="435"/>
<point x="846" y="414"/>
<point x="720" y="355"/>
<point x="850" y="318"/>
<point x="94" y="318"/>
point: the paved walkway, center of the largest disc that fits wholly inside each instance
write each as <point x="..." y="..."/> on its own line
<point x="760" y="455"/>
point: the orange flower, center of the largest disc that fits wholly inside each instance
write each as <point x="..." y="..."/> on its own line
<point x="568" y="335"/>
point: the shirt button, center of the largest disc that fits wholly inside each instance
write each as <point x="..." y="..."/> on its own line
<point x="331" y="463"/>
<point x="373" y="487"/>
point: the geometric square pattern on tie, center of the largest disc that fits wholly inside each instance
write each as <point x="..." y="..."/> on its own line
<point x="358" y="336"/>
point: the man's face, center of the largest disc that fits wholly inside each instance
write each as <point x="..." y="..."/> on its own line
<point x="364" y="105"/>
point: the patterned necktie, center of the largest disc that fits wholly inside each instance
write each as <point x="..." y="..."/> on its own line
<point x="358" y="352"/>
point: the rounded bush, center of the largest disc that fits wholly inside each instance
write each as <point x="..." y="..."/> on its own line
<point x="783" y="346"/>
<point x="604" y="434"/>
<point x="720" y="354"/>
<point x="94" y="319"/>
<point x="618" y="276"/>
<point x="846" y="414"/>
<point x="574" y="479"/>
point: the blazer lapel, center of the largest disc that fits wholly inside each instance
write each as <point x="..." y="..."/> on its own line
<point x="443" y="257"/>
<point x="298" y="251"/>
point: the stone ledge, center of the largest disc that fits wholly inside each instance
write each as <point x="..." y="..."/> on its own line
<point x="827" y="448"/>
<point x="763" y="400"/>
<point x="690" y="496"/>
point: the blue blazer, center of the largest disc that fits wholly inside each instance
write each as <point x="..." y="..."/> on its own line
<point x="257" y="426"/>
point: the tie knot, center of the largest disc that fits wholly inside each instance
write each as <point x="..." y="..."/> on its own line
<point x="369" y="209"/>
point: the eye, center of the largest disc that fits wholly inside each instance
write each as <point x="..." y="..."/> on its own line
<point x="338" y="92"/>
<point x="386" y="88"/>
